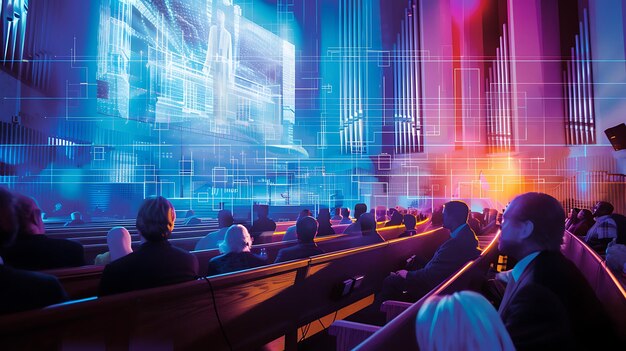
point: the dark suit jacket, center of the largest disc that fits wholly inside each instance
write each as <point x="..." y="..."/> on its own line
<point x="301" y="250"/>
<point x="552" y="306"/>
<point x="262" y="225"/>
<point x="39" y="252"/>
<point x="23" y="290"/>
<point x="234" y="261"/>
<point x="449" y="257"/>
<point x="152" y="264"/>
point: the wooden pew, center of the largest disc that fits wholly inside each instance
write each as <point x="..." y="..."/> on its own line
<point x="238" y="311"/>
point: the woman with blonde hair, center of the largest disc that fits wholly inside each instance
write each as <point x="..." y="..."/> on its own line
<point x="235" y="251"/>
<point x="462" y="321"/>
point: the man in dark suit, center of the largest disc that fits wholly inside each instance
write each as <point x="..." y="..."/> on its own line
<point x="22" y="290"/>
<point x="262" y="223"/>
<point x="32" y="249"/>
<point x="547" y="304"/>
<point x="156" y="262"/>
<point x="449" y="257"/>
<point x="306" y="229"/>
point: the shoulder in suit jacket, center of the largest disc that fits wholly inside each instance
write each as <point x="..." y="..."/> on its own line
<point x="301" y="250"/>
<point x="39" y="252"/>
<point x="24" y="290"/>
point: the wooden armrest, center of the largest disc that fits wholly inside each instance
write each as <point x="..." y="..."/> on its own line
<point x="393" y="308"/>
<point x="350" y="334"/>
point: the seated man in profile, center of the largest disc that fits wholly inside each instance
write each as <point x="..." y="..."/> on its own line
<point x="32" y="249"/>
<point x="306" y="229"/>
<point x="22" y="290"/>
<point x="449" y="257"/>
<point x="604" y="230"/>
<point x="212" y="240"/>
<point x="156" y="262"/>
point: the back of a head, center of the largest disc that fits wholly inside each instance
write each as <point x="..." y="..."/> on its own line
<point x="262" y="211"/>
<point x="304" y="213"/>
<point x="457" y="209"/>
<point x="368" y="223"/>
<point x="306" y="229"/>
<point x="155" y="219"/>
<point x="119" y="242"/>
<point x="437" y="216"/>
<point x="547" y="215"/>
<point x="28" y="215"/>
<point x="620" y="222"/>
<point x="345" y="212"/>
<point x="409" y="221"/>
<point x="464" y="320"/>
<point x="225" y="218"/>
<point x="337" y="211"/>
<point x="323" y="216"/>
<point x="585" y="215"/>
<point x="237" y="239"/>
<point x="8" y="219"/>
<point x="359" y="209"/>
<point x="396" y="218"/>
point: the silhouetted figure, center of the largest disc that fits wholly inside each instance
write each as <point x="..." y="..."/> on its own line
<point x="474" y="224"/>
<point x="291" y="232"/>
<point x="119" y="243"/>
<point x="369" y="234"/>
<point x="345" y="214"/>
<point x="354" y="228"/>
<point x="337" y="216"/>
<point x="213" y="239"/>
<point x="191" y="218"/>
<point x="306" y="247"/>
<point x="605" y="229"/>
<point x="396" y="219"/>
<point x="76" y="219"/>
<point x="585" y="222"/>
<point x="323" y="220"/>
<point x="236" y="253"/>
<point x="156" y="262"/>
<point x="547" y="304"/>
<point x="22" y="290"/>
<point x="616" y="250"/>
<point x="381" y="214"/>
<point x="262" y="223"/>
<point x="35" y="251"/>
<point x="572" y="218"/>
<point x="409" y="225"/>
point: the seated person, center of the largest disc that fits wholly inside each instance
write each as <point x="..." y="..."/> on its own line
<point x="22" y="290"/>
<point x="409" y="225"/>
<point x="381" y="214"/>
<point x="396" y="219"/>
<point x="572" y="218"/>
<point x="368" y="231"/>
<point x="191" y="218"/>
<point x="323" y="219"/>
<point x="354" y="228"/>
<point x="605" y="230"/>
<point x="345" y="214"/>
<point x="156" y="262"/>
<point x="76" y="219"/>
<point x="461" y="248"/>
<point x="212" y="240"/>
<point x="337" y="216"/>
<point x="474" y="223"/>
<point x="236" y="253"/>
<point x="616" y="251"/>
<point x="464" y="320"/>
<point x="436" y="219"/>
<point x="32" y="249"/>
<point x="262" y="223"/>
<point x="585" y="222"/>
<point x="291" y="232"/>
<point x="306" y="247"/>
<point x="119" y="243"/>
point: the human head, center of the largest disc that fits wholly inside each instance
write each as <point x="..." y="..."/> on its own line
<point x="237" y="239"/>
<point x="76" y="215"/>
<point x="602" y="208"/>
<point x="345" y="212"/>
<point x="464" y="320"/>
<point x="437" y="216"/>
<point x="409" y="222"/>
<point x="323" y="216"/>
<point x="455" y="213"/>
<point x="306" y="229"/>
<point x="155" y="219"/>
<point x="368" y="223"/>
<point x="224" y="218"/>
<point x="359" y="209"/>
<point x="29" y="216"/>
<point x="585" y="214"/>
<point x="8" y="220"/>
<point x="532" y="222"/>
<point x="573" y="212"/>
<point x="304" y="213"/>
<point x="262" y="211"/>
<point x="337" y="211"/>
<point x="119" y="242"/>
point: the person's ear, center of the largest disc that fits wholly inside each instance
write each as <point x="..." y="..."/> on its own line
<point x="526" y="229"/>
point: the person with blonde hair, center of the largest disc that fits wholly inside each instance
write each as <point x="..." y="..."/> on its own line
<point x="464" y="320"/>
<point x="235" y="251"/>
<point x="119" y="243"/>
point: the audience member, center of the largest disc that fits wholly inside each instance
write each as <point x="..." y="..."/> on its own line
<point x="212" y="240"/>
<point x="381" y="214"/>
<point x="291" y="232"/>
<point x="585" y="222"/>
<point x="119" y="243"/>
<point x="474" y="224"/>
<point x="572" y="218"/>
<point x="368" y="232"/>
<point x="436" y="219"/>
<point x="236" y="253"/>
<point x="547" y="304"/>
<point x="354" y="228"/>
<point x="337" y="216"/>
<point x="323" y="219"/>
<point x="22" y="290"/>
<point x="76" y="219"/>
<point x="156" y="262"/>
<point x="409" y="225"/>
<point x="262" y="223"/>
<point x="345" y="214"/>
<point x="464" y="320"/>
<point x="449" y="257"/>
<point x="191" y="218"/>
<point x="306" y="247"/>
<point x="33" y="250"/>
<point x="605" y="230"/>
<point x="616" y="251"/>
<point x="396" y="219"/>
